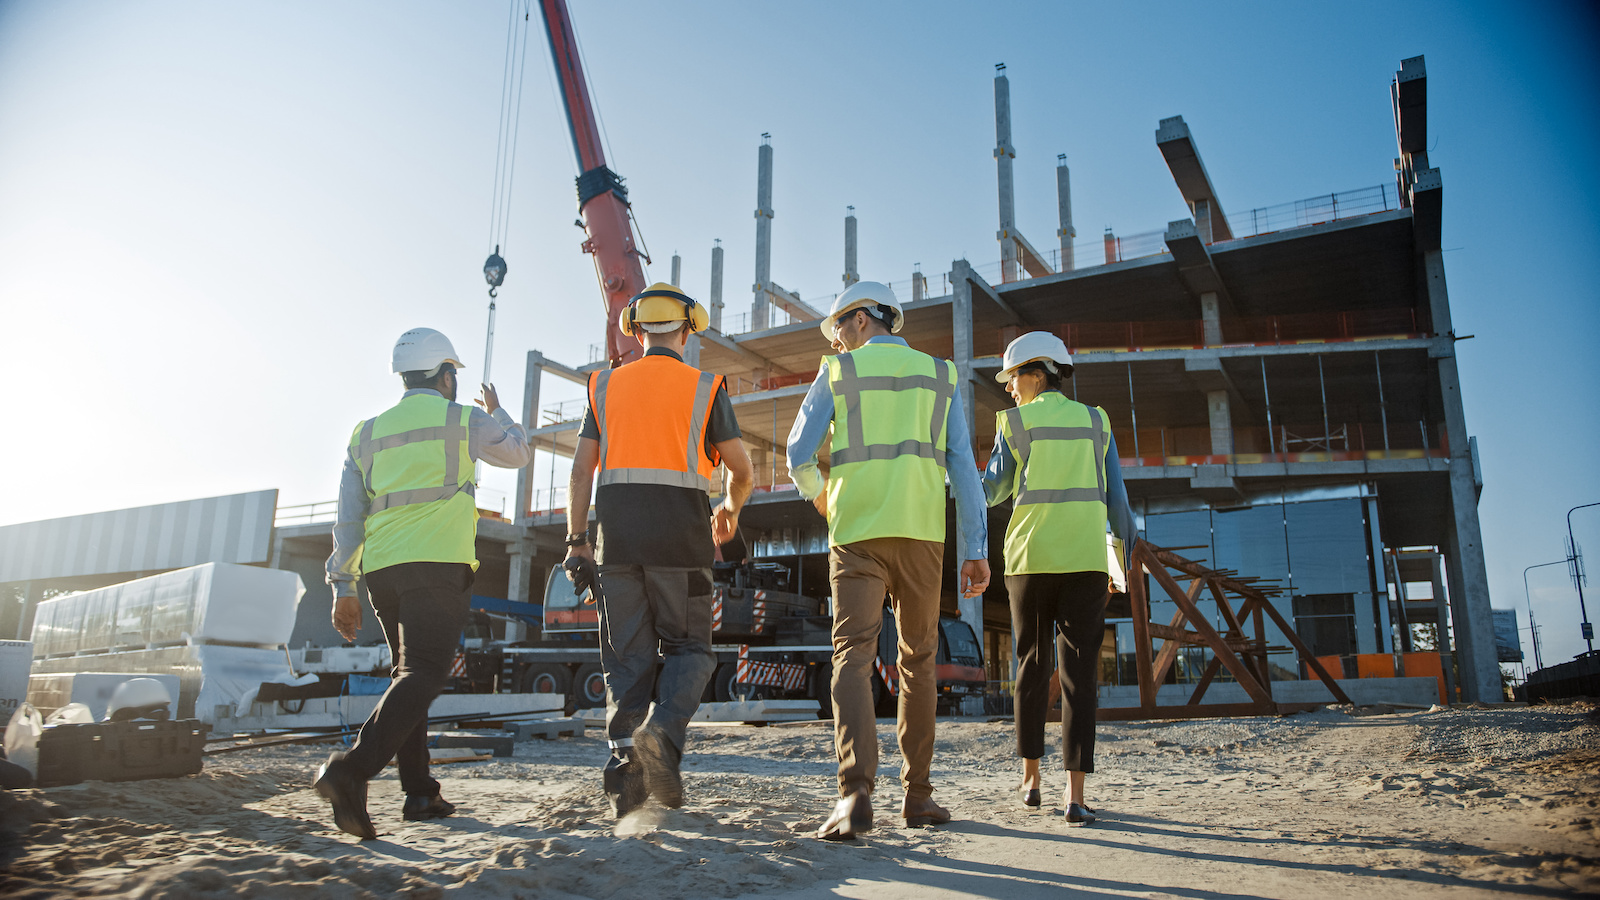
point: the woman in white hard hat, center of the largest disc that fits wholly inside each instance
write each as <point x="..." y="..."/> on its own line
<point x="1056" y="459"/>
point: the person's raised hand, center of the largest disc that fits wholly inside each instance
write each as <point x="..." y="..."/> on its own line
<point x="490" y="401"/>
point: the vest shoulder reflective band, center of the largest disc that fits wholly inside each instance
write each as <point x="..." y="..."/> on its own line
<point x="415" y="461"/>
<point x="652" y="415"/>
<point x="1058" y="518"/>
<point x="891" y="409"/>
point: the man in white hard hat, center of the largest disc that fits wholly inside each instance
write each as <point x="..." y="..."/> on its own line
<point x="898" y="427"/>
<point x="655" y="430"/>
<point x="408" y="524"/>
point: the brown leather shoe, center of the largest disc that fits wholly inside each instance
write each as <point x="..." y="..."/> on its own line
<point x="851" y="816"/>
<point x="919" y="813"/>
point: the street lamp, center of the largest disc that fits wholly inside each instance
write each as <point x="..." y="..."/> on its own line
<point x="1537" y="657"/>
<point x="1577" y="575"/>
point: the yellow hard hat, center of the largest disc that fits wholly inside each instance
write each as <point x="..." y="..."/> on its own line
<point x="662" y="303"/>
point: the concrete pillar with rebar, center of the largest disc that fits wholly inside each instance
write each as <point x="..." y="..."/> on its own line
<point x="1064" y="200"/>
<point x="760" y="304"/>
<point x="1004" y="153"/>
<point x="851" y="276"/>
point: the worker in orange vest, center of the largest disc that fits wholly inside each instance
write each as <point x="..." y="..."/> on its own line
<point x="655" y="431"/>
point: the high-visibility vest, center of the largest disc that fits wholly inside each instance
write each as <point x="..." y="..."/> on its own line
<point x="1058" y="517"/>
<point x="886" y="470"/>
<point x="415" y="462"/>
<point x="652" y="415"/>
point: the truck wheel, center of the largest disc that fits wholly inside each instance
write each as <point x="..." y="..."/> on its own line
<point x="727" y="687"/>
<point x="822" y="688"/>
<point x="589" y="687"/>
<point x="545" y="678"/>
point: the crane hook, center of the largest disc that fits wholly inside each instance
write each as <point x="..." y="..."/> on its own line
<point x="494" y="271"/>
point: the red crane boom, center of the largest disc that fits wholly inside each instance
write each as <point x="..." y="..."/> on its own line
<point x="602" y="198"/>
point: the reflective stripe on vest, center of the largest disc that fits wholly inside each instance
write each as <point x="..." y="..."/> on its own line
<point x="417" y="470"/>
<point x="1058" y="517"/>
<point x="693" y="468"/>
<point x="887" y="457"/>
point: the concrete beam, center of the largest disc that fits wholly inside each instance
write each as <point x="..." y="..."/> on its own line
<point x="577" y="376"/>
<point x="789" y="302"/>
<point x="962" y="282"/>
<point x="1183" y="160"/>
<point x="1200" y="276"/>
<point x="1032" y="260"/>
<point x="530" y="411"/>
<point x="1410" y="96"/>
<point x="973" y="279"/>
<point x="732" y="345"/>
<point x="1427" y="209"/>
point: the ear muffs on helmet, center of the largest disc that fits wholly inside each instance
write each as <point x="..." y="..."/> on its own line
<point x="662" y="302"/>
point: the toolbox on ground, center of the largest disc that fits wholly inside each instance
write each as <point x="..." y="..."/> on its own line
<point x="120" y="751"/>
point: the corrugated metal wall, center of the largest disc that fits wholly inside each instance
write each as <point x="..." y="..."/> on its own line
<point x="236" y="528"/>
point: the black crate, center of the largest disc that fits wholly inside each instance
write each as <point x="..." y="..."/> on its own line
<point x="120" y="751"/>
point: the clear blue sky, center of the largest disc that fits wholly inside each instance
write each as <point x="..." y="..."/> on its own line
<point x="215" y="218"/>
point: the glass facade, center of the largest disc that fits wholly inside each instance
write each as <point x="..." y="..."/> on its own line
<point x="1318" y="552"/>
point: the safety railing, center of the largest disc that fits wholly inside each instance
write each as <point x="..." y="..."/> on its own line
<point x="1314" y="210"/>
<point x="305" y="513"/>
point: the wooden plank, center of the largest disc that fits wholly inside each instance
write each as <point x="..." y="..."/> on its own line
<point x="1141" y="625"/>
<point x="1242" y="675"/>
<point x="1304" y="651"/>
<point x="1212" y="668"/>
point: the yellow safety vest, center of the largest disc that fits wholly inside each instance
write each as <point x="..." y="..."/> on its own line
<point x="415" y="462"/>
<point x="886" y="475"/>
<point x="1058" y="518"/>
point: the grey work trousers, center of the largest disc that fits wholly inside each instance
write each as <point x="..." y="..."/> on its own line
<point x="422" y="607"/>
<point x="646" y="610"/>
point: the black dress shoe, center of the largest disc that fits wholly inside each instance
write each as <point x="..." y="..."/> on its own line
<point x="1078" y="814"/>
<point x="420" y="807"/>
<point x="348" y="797"/>
<point x="1030" y="797"/>
<point x="851" y="816"/>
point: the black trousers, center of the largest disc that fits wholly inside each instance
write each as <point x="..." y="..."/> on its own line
<point x="1071" y="607"/>
<point x="422" y="607"/>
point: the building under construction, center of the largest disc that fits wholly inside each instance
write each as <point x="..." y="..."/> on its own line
<point x="1282" y="384"/>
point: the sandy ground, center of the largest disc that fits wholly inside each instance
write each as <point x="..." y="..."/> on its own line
<point x="1463" y="802"/>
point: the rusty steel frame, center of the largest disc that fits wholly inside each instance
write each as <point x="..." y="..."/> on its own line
<point x="1242" y="653"/>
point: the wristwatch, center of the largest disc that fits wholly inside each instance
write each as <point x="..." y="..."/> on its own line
<point x="581" y="537"/>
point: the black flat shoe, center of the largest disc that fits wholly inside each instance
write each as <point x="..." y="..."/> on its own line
<point x="348" y="796"/>
<point x="419" y="808"/>
<point x="1030" y="797"/>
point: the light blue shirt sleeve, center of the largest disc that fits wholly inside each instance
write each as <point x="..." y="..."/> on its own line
<point x="805" y="437"/>
<point x="1000" y="478"/>
<point x="349" y="530"/>
<point x="972" y="517"/>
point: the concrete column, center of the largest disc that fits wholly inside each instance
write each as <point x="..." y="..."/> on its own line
<point x="530" y="420"/>
<point x="1219" y="405"/>
<point x="1211" y="318"/>
<point x="758" y="462"/>
<point x="972" y="614"/>
<point x="961" y="278"/>
<point x="1442" y="632"/>
<point x="716" y="285"/>
<point x="919" y="284"/>
<point x="1111" y="247"/>
<point x="1202" y="219"/>
<point x="1003" y="155"/>
<point x="851" y="276"/>
<point x="1468" y="574"/>
<point x="760" y="305"/>
<point x="1064" y="200"/>
<point x="520" y="583"/>
<point x="677" y="270"/>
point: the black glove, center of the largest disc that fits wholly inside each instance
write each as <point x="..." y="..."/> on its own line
<point x="582" y="572"/>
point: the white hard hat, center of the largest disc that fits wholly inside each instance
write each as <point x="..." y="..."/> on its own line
<point x="140" y="697"/>
<point x="424" y="350"/>
<point x="1035" y="345"/>
<point x="868" y="295"/>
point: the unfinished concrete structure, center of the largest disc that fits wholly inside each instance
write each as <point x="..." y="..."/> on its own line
<point x="1282" y="386"/>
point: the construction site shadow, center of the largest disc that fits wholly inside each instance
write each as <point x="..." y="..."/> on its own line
<point x="1079" y="836"/>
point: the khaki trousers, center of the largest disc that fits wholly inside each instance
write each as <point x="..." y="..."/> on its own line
<point x="909" y="571"/>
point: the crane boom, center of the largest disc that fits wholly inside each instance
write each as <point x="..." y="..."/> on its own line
<point x="602" y="197"/>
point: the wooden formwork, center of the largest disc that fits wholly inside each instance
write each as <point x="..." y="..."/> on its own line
<point x="1241" y="647"/>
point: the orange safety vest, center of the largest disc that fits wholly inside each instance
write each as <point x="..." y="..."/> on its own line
<point x="652" y="415"/>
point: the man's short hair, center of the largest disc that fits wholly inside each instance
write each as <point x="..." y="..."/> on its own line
<point x="426" y="378"/>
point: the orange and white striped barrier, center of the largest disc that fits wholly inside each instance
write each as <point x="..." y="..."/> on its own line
<point x="788" y="676"/>
<point x="889" y="681"/>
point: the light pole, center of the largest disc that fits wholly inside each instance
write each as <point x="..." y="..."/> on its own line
<point x="1577" y="575"/>
<point x="1537" y="657"/>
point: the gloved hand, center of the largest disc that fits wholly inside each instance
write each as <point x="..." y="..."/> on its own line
<point x="582" y="572"/>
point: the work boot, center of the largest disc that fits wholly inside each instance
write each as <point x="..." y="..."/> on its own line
<point x="348" y="796"/>
<point x="420" y="807"/>
<point x="923" y="811"/>
<point x="659" y="760"/>
<point x="624" y="783"/>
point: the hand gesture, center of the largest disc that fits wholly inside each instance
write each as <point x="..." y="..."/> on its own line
<point x="490" y="401"/>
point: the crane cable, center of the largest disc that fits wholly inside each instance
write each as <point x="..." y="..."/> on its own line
<point x="505" y="161"/>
